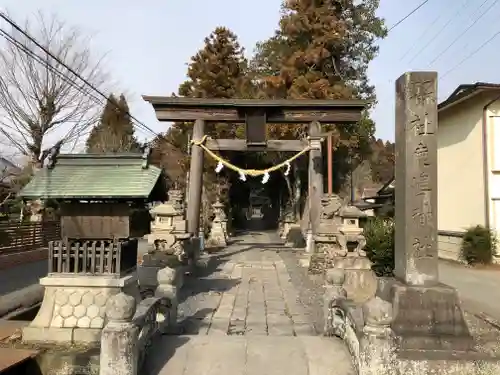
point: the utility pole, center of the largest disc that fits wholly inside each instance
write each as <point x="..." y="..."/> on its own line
<point x="353" y="190"/>
<point x="330" y="163"/>
<point x="187" y="173"/>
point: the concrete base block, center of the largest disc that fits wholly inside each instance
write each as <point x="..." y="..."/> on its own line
<point x="429" y="318"/>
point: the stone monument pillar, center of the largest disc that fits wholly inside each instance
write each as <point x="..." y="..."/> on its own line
<point x="425" y="311"/>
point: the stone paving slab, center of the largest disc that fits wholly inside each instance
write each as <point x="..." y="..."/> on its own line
<point x="255" y="295"/>
<point x="249" y="355"/>
<point x="246" y="317"/>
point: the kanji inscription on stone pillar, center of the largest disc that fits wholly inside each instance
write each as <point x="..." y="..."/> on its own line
<point x="416" y="253"/>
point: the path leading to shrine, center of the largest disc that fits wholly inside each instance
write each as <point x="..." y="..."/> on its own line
<point x="247" y="317"/>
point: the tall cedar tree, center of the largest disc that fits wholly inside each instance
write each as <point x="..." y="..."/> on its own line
<point x="218" y="70"/>
<point x="321" y="50"/>
<point x="115" y="131"/>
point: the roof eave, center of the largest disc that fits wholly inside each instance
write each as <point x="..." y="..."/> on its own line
<point x="451" y="102"/>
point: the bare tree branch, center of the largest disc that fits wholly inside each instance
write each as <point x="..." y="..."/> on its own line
<point x="36" y="101"/>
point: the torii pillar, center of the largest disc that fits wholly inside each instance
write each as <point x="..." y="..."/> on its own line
<point x="256" y="114"/>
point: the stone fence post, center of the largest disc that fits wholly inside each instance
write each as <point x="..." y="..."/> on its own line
<point x="334" y="292"/>
<point x="377" y="356"/>
<point x="119" y="350"/>
<point x="169" y="282"/>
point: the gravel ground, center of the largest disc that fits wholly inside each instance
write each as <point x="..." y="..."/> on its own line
<point x="309" y="287"/>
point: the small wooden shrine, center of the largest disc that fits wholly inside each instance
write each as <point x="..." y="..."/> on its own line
<point x="102" y="200"/>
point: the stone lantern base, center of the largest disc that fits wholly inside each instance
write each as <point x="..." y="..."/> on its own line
<point x="217" y="236"/>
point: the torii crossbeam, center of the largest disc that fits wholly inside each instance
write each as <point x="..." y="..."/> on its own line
<point x="255" y="114"/>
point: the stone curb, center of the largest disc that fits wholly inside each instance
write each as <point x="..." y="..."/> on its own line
<point x="21" y="299"/>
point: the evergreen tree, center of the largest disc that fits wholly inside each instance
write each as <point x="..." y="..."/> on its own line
<point x="321" y="50"/>
<point x="218" y="70"/>
<point x="115" y="130"/>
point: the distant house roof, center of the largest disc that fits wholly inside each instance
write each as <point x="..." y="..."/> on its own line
<point x="94" y="176"/>
<point x="388" y="187"/>
<point x="466" y="91"/>
<point x="370" y="191"/>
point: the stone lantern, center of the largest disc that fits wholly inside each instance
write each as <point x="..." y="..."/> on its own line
<point x="168" y="217"/>
<point x="217" y="236"/>
<point x="288" y="220"/>
<point x="168" y="239"/>
<point x="350" y="231"/>
<point x="360" y="283"/>
<point x="169" y="227"/>
<point x="325" y="240"/>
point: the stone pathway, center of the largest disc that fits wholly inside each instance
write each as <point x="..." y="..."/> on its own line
<point x="245" y="317"/>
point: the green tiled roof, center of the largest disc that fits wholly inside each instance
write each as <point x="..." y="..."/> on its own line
<point x="94" y="176"/>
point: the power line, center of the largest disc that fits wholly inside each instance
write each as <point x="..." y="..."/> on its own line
<point x="422" y="35"/>
<point x="435" y="35"/>
<point x="471" y="54"/>
<point x="463" y="33"/>
<point x="72" y="71"/>
<point x="407" y="16"/>
<point x="75" y="132"/>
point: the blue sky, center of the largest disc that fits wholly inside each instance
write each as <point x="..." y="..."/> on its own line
<point x="148" y="43"/>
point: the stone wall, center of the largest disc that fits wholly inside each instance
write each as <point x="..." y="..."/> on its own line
<point x="449" y="245"/>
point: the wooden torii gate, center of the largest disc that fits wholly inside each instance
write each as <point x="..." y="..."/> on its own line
<point x="255" y="114"/>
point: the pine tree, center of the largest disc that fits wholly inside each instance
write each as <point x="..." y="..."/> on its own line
<point x="115" y="130"/>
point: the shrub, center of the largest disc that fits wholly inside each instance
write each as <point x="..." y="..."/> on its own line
<point x="379" y="234"/>
<point x="478" y="245"/>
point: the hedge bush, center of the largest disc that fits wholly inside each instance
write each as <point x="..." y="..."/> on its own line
<point x="379" y="234"/>
<point x="478" y="245"/>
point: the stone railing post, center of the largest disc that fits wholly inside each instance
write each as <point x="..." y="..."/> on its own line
<point x="119" y="350"/>
<point x="334" y="292"/>
<point x="377" y="354"/>
<point x="169" y="282"/>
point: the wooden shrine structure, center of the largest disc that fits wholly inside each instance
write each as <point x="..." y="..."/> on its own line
<point x="102" y="200"/>
<point x="256" y="114"/>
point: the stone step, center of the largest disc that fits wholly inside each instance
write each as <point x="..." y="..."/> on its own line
<point x="249" y="355"/>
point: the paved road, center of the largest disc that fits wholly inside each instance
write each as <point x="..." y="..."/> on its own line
<point x="479" y="289"/>
<point x="25" y="275"/>
<point x="21" y="276"/>
<point x="247" y="318"/>
<point x="19" y="286"/>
